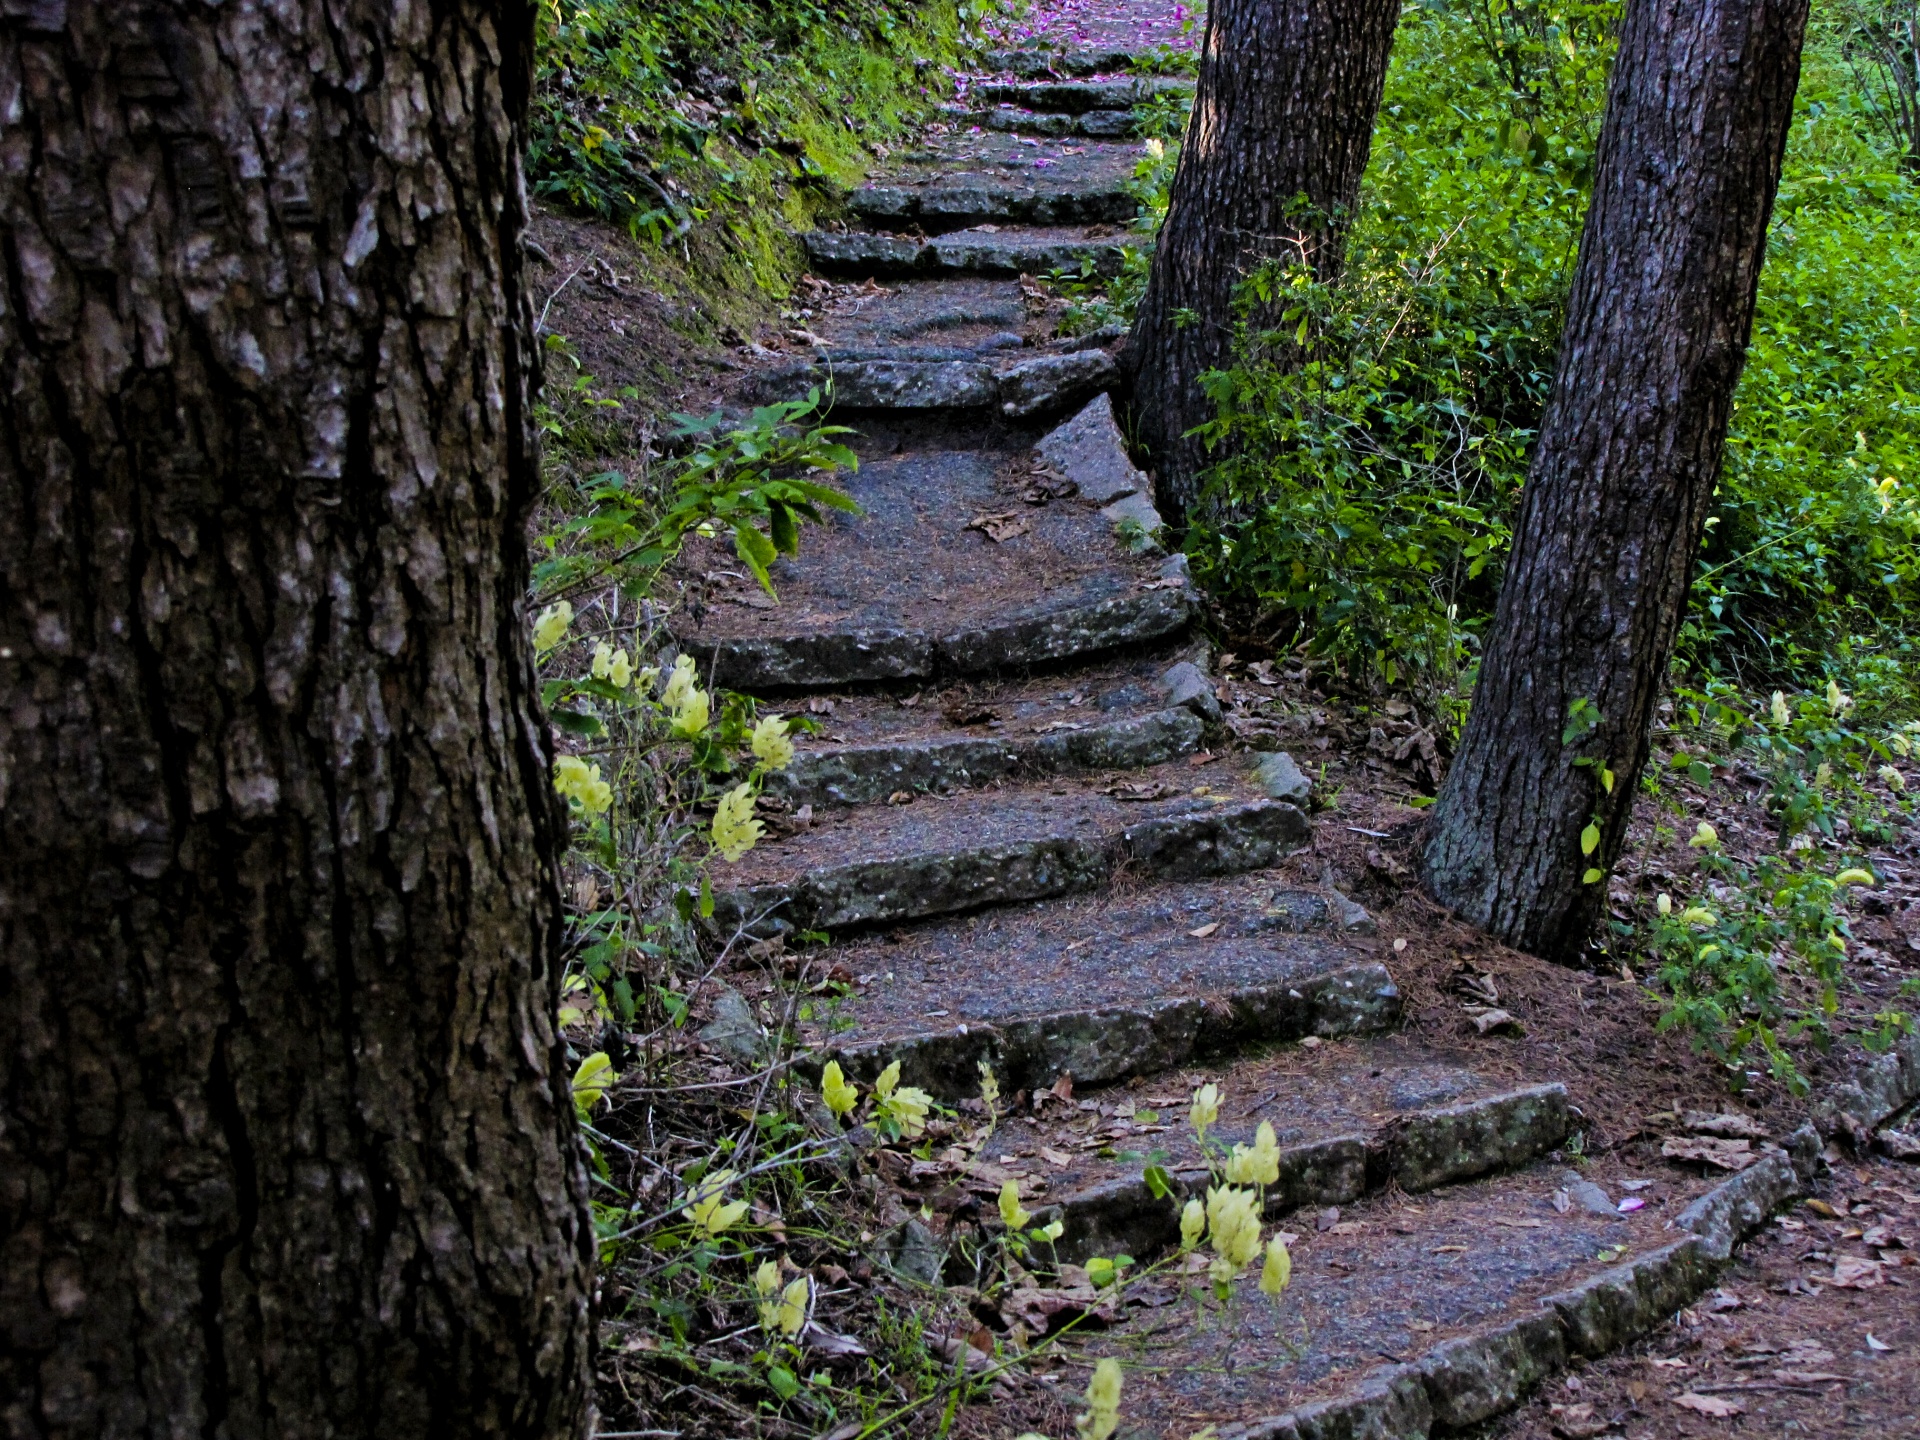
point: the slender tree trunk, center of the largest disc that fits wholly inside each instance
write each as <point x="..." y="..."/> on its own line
<point x="1270" y="167"/>
<point x="1629" y="451"/>
<point x="287" y="1146"/>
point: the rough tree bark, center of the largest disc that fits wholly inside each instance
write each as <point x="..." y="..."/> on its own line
<point x="287" y="1146"/>
<point x="1663" y="295"/>
<point x="1270" y="166"/>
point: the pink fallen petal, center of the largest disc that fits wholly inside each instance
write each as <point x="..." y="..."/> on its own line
<point x="1630" y="1204"/>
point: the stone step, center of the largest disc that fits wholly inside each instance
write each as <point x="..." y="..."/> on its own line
<point x="1077" y="97"/>
<point x="1044" y="63"/>
<point x="1093" y="125"/>
<point x="1130" y="712"/>
<point x="976" y="251"/>
<point x="998" y="374"/>
<point x="1416" y="1315"/>
<point x="914" y="587"/>
<point x="1105" y="985"/>
<point x="957" y="200"/>
<point x="938" y="855"/>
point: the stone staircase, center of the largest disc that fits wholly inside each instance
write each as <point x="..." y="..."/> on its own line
<point x="1029" y="849"/>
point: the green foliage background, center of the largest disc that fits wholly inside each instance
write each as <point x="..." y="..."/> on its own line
<point x="1367" y="496"/>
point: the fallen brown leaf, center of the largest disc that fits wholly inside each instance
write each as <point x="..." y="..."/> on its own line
<point x="1000" y="528"/>
<point x="1710" y="1150"/>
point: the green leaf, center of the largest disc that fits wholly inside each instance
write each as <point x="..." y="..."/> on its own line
<point x="1591" y="877"/>
<point x="1159" y="1182"/>
<point x="706" y="898"/>
<point x="783" y="1381"/>
<point x="1701" y="774"/>
<point x="1590" y="838"/>
<point x="785" y="531"/>
<point x="756" y="551"/>
<point x="577" y="722"/>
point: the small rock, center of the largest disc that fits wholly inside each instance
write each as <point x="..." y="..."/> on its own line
<point x="1054" y="380"/>
<point x="1352" y="916"/>
<point x="734" y="1030"/>
<point x="1899" y="1144"/>
<point x="1185" y="685"/>
<point x="916" y="1254"/>
<point x="1588" y="1196"/>
<point x="1282" y="779"/>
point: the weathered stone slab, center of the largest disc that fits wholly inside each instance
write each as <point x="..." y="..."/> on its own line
<point x="830" y="657"/>
<point x="1225" y="841"/>
<point x="1074" y="97"/>
<point x="1011" y="253"/>
<point x="1881" y="1089"/>
<point x="1475" y="1377"/>
<point x="1054" y="381"/>
<point x="1618" y="1305"/>
<point x="1089" y="451"/>
<point x="1735" y="1208"/>
<point x="1105" y="1043"/>
<point x="1094" y="124"/>
<point x="1138" y="509"/>
<point x="863" y="774"/>
<point x="1457" y="1142"/>
<point x="912" y="385"/>
<point x="1056" y="634"/>
<point x="866" y="254"/>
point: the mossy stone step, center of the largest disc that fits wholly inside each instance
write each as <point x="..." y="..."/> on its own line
<point x="959" y="202"/>
<point x="1077" y="97"/>
<point x="974" y="251"/>
<point x="941" y="855"/>
<point x="1093" y="125"/>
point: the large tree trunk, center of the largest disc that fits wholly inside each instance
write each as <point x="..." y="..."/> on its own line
<point x="1270" y="167"/>
<point x="287" y="1148"/>
<point x="1629" y="450"/>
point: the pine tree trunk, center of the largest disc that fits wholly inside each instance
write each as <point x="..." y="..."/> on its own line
<point x="288" y="1148"/>
<point x="1270" y="167"/>
<point x="1663" y="295"/>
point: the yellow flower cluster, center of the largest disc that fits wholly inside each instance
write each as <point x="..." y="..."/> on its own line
<point x="840" y="1096"/>
<point x="782" y="1311"/>
<point x="582" y="785"/>
<point x="688" y="706"/>
<point x="771" y="747"/>
<point x="735" y="831"/>
<point x="1205" y="1110"/>
<point x="612" y="666"/>
<point x="552" y="626"/>
<point x="711" y="1212"/>
<point x="905" y="1105"/>
<point x="1256" y="1164"/>
<point x="1233" y="1229"/>
<point x="1103" y="1402"/>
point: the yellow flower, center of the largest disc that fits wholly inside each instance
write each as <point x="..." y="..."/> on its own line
<point x="1103" y="1402"/>
<point x="691" y="715"/>
<point x="735" y="831"/>
<point x="1256" y="1164"/>
<point x="1699" y="915"/>
<point x="1893" y="778"/>
<point x="1664" y="904"/>
<point x="989" y="1086"/>
<point x="1705" y="837"/>
<point x="771" y="747"/>
<point x="592" y="1080"/>
<point x="602" y="660"/>
<point x="620" y="670"/>
<point x="1051" y="1231"/>
<point x="582" y="785"/>
<point x="795" y="1301"/>
<point x="888" y="1078"/>
<point x="1233" y="1226"/>
<point x="1012" y="1214"/>
<point x="834" y="1089"/>
<point x="1854" y="875"/>
<point x="551" y="628"/>
<point x="1838" y="702"/>
<point x="709" y="1212"/>
<point x="1278" y="1269"/>
<point x="908" y="1106"/>
<point x="1780" y="713"/>
<point x="680" y="683"/>
<point x="1822" y="775"/>
<point x="1900" y="744"/>
<point x="1206" y="1109"/>
<point x="1193" y="1224"/>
